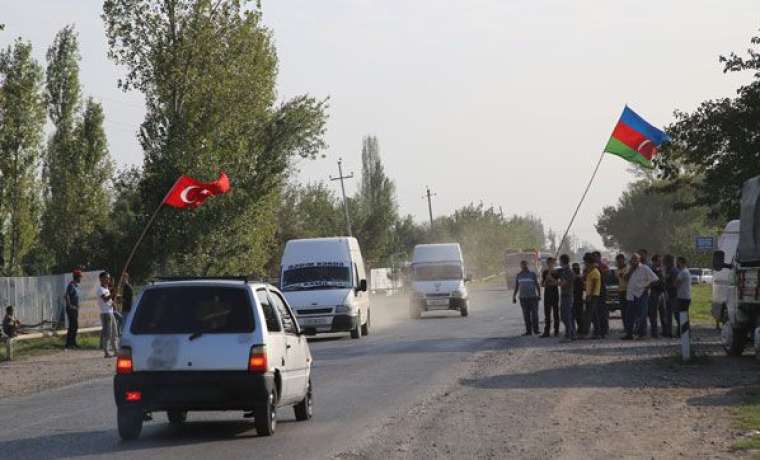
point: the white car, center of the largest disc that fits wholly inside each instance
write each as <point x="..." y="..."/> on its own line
<point x="701" y="275"/>
<point x="211" y="345"/>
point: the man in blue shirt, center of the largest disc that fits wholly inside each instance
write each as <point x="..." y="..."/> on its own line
<point x="71" y="299"/>
<point x="526" y="283"/>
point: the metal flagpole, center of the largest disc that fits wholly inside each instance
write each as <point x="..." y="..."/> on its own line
<point x="142" y="236"/>
<point x="577" y="208"/>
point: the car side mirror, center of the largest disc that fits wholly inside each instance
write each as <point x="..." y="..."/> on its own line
<point x="363" y="285"/>
<point x="718" y="262"/>
<point x="467" y="279"/>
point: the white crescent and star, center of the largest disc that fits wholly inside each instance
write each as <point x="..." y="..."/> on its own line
<point x="642" y="145"/>
<point x="185" y="192"/>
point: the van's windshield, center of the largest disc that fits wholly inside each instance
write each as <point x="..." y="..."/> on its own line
<point x="437" y="272"/>
<point x="316" y="276"/>
<point x="193" y="309"/>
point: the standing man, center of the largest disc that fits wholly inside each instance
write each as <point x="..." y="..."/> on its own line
<point x="593" y="289"/>
<point x="640" y="278"/>
<point x="550" y="283"/>
<point x="526" y="283"/>
<point x="578" y="300"/>
<point x="604" y="311"/>
<point x="621" y="273"/>
<point x="107" y="320"/>
<point x="567" y="284"/>
<point x="71" y="299"/>
<point x="683" y="294"/>
<point x="655" y="295"/>
<point x="670" y="274"/>
<point x="127" y="295"/>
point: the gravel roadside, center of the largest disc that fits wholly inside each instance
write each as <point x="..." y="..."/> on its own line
<point x="537" y="398"/>
<point x="52" y="370"/>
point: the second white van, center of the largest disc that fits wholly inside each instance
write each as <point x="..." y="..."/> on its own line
<point x="438" y="279"/>
<point x="325" y="282"/>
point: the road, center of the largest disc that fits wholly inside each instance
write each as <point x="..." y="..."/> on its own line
<point x="360" y="386"/>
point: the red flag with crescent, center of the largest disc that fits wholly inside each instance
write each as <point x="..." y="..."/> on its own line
<point x="191" y="193"/>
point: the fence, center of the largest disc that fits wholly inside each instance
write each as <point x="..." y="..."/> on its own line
<point x="39" y="299"/>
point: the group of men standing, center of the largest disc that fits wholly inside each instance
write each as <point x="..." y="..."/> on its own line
<point x="645" y="291"/>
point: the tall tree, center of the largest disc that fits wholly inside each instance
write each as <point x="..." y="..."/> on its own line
<point x="22" y="119"/>
<point x="717" y="147"/>
<point x="208" y="72"/>
<point x="375" y="204"/>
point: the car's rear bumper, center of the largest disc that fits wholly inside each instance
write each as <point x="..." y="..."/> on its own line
<point x="194" y="391"/>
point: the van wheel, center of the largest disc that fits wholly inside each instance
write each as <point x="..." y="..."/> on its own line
<point x="304" y="409"/>
<point x="365" y="326"/>
<point x="414" y="311"/>
<point x="176" y="417"/>
<point x="130" y="423"/>
<point x="356" y="332"/>
<point x="733" y="339"/>
<point x="464" y="309"/>
<point x="265" y="419"/>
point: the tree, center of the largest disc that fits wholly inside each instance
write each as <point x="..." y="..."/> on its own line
<point x="77" y="164"/>
<point x="22" y="119"/>
<point x="375" y="204"/>
<point x="208" y="71"/>
<point x="717" y="147"/>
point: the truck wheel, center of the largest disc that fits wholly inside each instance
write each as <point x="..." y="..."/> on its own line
<point x="265" y="419"/>
<point x="365" y="326"/>
<point x="176" y="417"/>
<point x="130" y="423"/>
<point x="733" y="339"/>
<point x="464" y="309"/>
<point x="304" y="409"/>
<point x="356" y="332"/>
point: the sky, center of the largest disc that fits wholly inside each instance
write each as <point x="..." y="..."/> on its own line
<point x="508" y="103"/>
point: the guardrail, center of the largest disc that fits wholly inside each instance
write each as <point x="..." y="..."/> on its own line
<point x="9" y="342"/>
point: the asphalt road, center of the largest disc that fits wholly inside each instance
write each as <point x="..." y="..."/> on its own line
<point x="359" y="385"/>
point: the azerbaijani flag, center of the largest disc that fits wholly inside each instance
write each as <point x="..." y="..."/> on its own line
<point x="635" y="140"/>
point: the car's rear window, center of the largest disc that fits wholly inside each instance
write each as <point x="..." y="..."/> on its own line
<point x="190" y="309"/>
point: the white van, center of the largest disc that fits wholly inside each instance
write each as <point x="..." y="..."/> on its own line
<point x="438" y="279"/>
<point x="724" y="282"/>
<point x="325" y="282"/>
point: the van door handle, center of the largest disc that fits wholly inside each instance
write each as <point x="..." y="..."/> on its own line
<point x="288" y="347"/>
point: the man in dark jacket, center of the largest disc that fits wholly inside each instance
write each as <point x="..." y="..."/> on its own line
<point x="71" y="299"/>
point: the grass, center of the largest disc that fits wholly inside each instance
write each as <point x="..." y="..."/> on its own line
<point x="701" y="305"/>
<point x="27" y="348"/>
<point x="748" y="419"/>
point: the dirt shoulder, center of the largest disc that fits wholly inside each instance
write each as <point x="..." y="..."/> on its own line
<point x="537" y="398"/>
<point x="52" y="370"/>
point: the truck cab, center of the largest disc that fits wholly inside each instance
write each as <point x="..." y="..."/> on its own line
<point x="736" y="282"/>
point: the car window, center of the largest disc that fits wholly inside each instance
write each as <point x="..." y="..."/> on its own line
<point x="273" y="323"/>
<point x="288" y="322"/>
<point x="190" y="309"/>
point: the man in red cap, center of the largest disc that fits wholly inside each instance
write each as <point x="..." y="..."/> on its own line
<point x="71" y="299"/>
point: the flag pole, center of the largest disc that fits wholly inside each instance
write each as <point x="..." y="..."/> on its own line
<point x="577" y="208"/>
<point x="140" y="239"/>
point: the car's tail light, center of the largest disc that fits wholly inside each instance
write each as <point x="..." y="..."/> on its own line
<point x="124" y="361"/>
<point x="257" y="360"/>
<point x="133" y="396"/>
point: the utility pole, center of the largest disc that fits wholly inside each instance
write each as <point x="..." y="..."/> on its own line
<point x="341" y="177"/>
<point x="430" y="206"/>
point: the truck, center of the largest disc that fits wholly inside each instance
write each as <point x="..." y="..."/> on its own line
<point x="736" y="285"/>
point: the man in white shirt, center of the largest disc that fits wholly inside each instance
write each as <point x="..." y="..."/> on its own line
<point x="107" y="320"/>
<point x="640" y="278"/>
<point x="683" y="290"/>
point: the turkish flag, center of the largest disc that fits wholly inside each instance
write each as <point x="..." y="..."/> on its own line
<point x="190" y="193"/>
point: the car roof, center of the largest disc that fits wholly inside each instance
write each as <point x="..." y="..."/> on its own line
<point x="207" y="282"/>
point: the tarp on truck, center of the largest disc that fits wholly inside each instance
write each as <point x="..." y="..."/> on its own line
<point x="749" y="233"/>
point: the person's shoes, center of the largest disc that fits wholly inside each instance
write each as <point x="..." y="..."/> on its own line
<point x="556" y="333"/>
<point x="536" y="332"/>
<point x="527" y="334"/>
<point x="545" y="334"/>
<point x="108" y="355"/>
<point x="627" y="337"/>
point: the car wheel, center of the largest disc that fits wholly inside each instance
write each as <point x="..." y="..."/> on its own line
<point x="130" y="423"/>
<point x="464" y="309"/>
<point x="356" y="332"/>
<point x="176" y="417"/>
<point x="304" y="409"/>
<point x="733" y="339"/>
<point x="265" y="419"/>
<point x="365" y="326"/>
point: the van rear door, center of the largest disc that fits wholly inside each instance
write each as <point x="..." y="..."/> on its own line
<point x="193" y="328"/>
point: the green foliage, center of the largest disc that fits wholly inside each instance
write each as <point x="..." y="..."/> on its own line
<point x="645" y="218"/>
<point x="717" y="147"/>
<point x="22" y="119"/>
<point x="374" y="208"/>
<point x="208" y="72"/>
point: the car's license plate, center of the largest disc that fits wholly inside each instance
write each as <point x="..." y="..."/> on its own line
<point x="438" y="302"/>
<point x="314" y="321"/>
